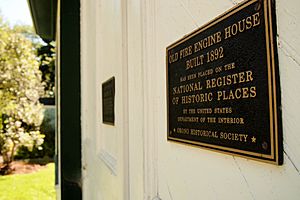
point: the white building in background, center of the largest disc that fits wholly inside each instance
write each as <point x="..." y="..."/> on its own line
<point x="131" y="158"/>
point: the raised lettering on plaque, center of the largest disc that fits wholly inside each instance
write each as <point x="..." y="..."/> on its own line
<point x="108" y="101"/>
<point x="223" y="89"/>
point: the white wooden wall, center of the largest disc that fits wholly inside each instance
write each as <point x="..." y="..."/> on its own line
<point x="104" y="55"/>
<point x="133" y="159"/>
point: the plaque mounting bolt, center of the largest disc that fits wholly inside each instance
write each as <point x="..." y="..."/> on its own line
<point x="265" y="145"/>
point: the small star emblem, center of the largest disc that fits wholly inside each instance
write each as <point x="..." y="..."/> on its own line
<point x="174" y="130"/>
<point x="253" y="139"/>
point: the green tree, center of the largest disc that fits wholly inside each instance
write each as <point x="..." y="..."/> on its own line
<point x="20" y="89"/>
<point x="46" y="58"/>
<point x="47" y="66"/>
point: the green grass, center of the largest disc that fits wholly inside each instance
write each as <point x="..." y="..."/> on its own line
<point x="35" y="186"/>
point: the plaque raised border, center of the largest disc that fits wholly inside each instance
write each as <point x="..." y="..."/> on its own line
<point x="186" y="127"/>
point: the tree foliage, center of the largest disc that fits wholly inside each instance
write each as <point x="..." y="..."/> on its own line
<point x="20" y="89"/>
<point x="46" y="55"/>
<point x="47" y="66"/>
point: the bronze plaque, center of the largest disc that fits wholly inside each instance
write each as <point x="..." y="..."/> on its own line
<point x="108" y="101"/>
<point x="223" y="89"/>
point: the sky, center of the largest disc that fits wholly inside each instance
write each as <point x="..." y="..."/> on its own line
<point x="15" y="11"/>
